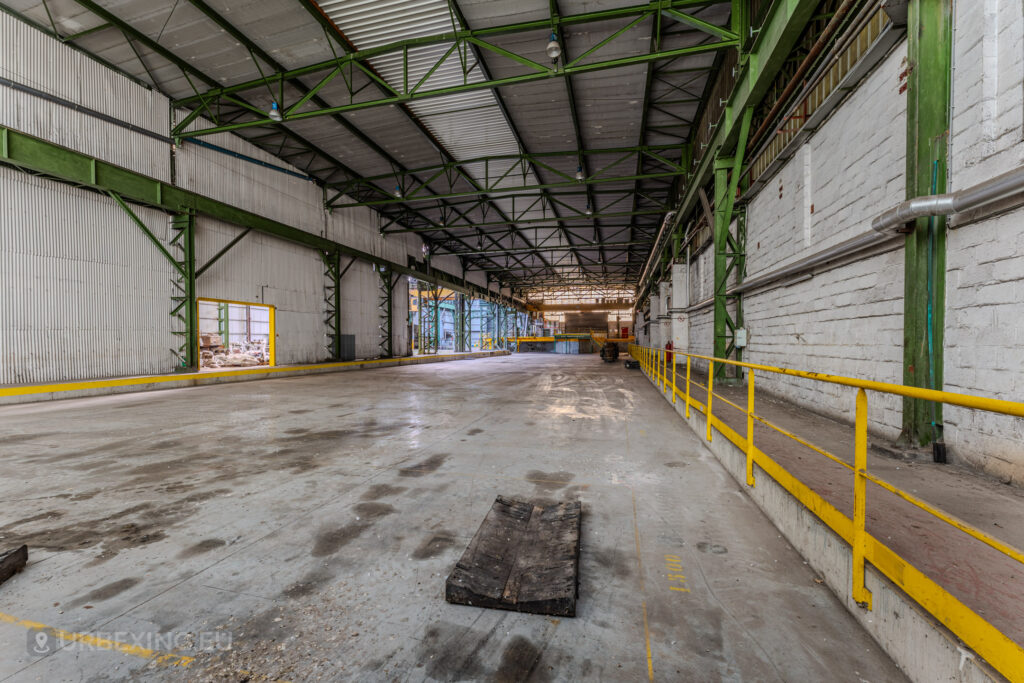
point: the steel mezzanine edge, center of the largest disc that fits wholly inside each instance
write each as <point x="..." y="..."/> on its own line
<point x="1005" y="655"/>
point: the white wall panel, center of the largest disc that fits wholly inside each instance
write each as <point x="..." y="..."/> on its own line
<point x="849" y="171"/>
<point x="847" y="320"/>
<point x="264" y="269"/>
<point x="83" y="292"/>
<point x="30" y="57"/>
<point x="984" y="343"/>
<point x="264" y="191"/>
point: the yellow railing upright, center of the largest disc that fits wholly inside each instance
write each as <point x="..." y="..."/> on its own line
<point x="984" y="638"/>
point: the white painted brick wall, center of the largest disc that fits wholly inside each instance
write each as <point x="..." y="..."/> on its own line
<point x="855" y="165"/>
<point x="984" y="343"/>
<point x="847" y="320"/>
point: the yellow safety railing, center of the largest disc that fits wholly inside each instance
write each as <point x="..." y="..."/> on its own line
<point x="994" y="646"/>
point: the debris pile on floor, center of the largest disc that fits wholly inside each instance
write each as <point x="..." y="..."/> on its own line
<point x="524" y="557"/>
<point x="213" y="353"/>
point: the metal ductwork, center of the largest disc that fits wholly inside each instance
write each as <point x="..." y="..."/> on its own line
<point x="975" y="197"/>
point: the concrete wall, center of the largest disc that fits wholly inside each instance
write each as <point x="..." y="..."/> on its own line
<point x="984" y="343"/>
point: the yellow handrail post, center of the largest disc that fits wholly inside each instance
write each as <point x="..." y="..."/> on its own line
<point x="687" y="387"/>
<point x="861" y="595"/>
<point x="711" y="384"/>
<point x="664" y="370"/>
<point x="750" y="428"/>
<point x="673" y="380"/>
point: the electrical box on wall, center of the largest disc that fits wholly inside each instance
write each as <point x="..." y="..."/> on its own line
<point x="740" y="338"/>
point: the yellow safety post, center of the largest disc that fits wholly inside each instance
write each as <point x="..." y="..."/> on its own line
<point x="861" y="595"/>
<point x="687" y="387"/>
<point x="673" y="380"/>
<point x="711" y="385"/>
<point x="750" y="428"/>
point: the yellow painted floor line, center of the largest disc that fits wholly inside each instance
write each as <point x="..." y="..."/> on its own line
<point x="643" y="591"/>
<point x="161" y="658"/>
<point x="181" y="377"/>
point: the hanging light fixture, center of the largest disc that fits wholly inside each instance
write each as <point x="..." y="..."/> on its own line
<point x="275" y="112"/>
<point x="579" y="174"/>
<point x="553" y="49"/>
<point x="398" y="192"/>
<point x="589" y="211"/>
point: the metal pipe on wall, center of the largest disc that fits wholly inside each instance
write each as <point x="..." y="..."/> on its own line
<point x="974" y="197"/>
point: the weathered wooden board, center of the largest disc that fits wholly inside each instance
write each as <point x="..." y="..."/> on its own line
<point x="524" y="558"/>
<point x="13" y="562"/>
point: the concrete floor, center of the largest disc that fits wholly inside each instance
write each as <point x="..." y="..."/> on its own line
<point x="314" y="519"/>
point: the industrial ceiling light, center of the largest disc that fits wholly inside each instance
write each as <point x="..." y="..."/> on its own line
<point x="553" y="49"/>
<point x="275" y="112"/>
<point x="579" y="174"/>
<point x="589" y="211"/>
<point x="398" y="192"/>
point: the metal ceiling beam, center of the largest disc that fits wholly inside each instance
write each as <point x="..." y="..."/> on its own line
<point x="482" y="65"/>
<point x="538" y="221"/>
<point x="779" y="33"/>
<point x="256" y="51"/>
<point x="559" y="308"/>
<point x="661" y="153"/>
<point x="462" y="36"/>
<point x="499" y="191"/>
<point x="409" y="91"/>
<point x="573" y="114"/>
<point x="329" y="26"/>
<point x="50" y="160"/>
<point x="558" y="247"/>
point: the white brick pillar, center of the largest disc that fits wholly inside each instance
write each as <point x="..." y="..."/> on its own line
<point x="679" y="319"/>
<point x="664" y="319"/>
<point x="654" y="329"/>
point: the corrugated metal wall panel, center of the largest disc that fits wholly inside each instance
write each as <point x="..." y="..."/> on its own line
<point x="359" y="309"/>
<point x="262" y="190"/>
<point x="32" y="58"/>
<point x="84" y="293"/>
<point x="263" y="269"/>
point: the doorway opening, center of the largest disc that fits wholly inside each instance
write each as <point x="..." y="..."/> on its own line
<point x="235" y="334"/>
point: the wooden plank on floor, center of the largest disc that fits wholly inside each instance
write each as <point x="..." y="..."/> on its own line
<point x="524" y="557"/>
<point x="13" y="562"/>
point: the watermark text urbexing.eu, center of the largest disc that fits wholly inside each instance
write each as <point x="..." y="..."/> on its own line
<point x="42" y="642"/>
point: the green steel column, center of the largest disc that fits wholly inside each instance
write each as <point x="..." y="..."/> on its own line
<point x="928" y="113"/>
<point x="721" y="236"/>
<point x="386" y="312"/>
<point x="187" y="310"/>
<point x="335" y="269"/>
<point x="730" y="252"/>
<point x="435" y="305"/>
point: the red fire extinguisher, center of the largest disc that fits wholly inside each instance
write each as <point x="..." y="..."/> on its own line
<point x="668" y="351"/>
